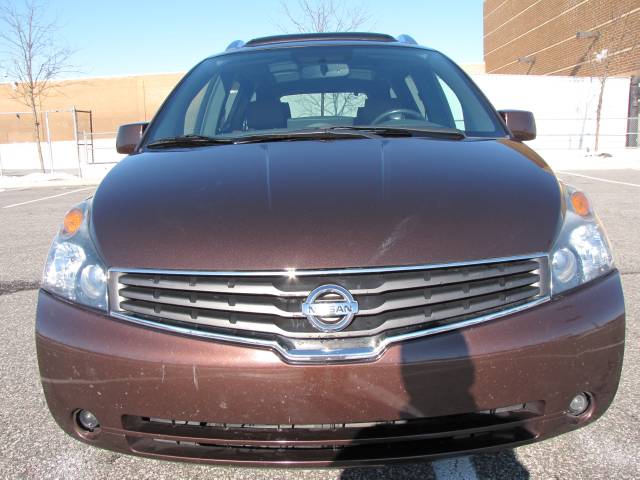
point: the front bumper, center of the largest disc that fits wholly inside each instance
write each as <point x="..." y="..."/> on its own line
<point x="500" y="384"/>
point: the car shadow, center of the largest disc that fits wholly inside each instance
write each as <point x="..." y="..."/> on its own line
<point x="436" y="383"/>
<point x="503" y="464"/>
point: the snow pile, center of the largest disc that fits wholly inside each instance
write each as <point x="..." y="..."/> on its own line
<point x="40" y="180"/>
<point x="628" y="158"/>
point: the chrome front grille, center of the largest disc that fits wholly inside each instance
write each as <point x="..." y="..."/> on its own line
<point x="266" y="307"/>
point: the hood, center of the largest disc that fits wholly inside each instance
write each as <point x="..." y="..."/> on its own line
<point x="326" y="204"/>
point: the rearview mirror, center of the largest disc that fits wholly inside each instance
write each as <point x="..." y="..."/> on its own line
<point x="129" y="136"/>
<point x="521" y="123"/>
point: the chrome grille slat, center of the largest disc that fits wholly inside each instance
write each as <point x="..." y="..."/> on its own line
<point x="369" y="304"/>
<point x="393" y="320"/>
<point x="430" y="296"/>
<point x="205" y="300"/>
<point x="300" y="286"/>
<point x="264" y="308"/>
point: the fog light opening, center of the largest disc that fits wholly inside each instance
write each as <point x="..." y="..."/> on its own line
<point x="579" y="404"/>
<point x="87" y="420"/>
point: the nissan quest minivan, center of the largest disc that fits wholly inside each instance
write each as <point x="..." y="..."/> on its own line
<point x="327" y="250"/>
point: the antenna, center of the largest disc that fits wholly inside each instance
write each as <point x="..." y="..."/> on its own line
<point x="408" y="39"/>
<point x="235" y="45"/>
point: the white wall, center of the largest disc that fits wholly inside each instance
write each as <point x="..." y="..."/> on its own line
<point x="564" y="107"/>
<point x="66" y="157"/>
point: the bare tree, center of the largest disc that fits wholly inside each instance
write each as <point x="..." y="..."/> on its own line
<point x="602" y="60"/>
<point x="318" y="16"/>
<point x="332" y="104"/>
<point x="32" y="57"/>
<point x="312" y="16"/>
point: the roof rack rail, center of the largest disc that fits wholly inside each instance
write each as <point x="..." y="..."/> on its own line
<point x="305" y="37"/>
<point x="408" y="39"/>
<point x="235" y="45"/>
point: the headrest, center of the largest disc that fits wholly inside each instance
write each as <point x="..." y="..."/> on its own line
<point x="266" y="114"/>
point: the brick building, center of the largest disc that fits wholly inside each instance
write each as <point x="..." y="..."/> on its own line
<point x="562" y="37"/>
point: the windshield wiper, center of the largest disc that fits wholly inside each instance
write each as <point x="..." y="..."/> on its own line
<point x="330" y="133"/>
<point x="327" y="133"/>
<point x="189" y="141"/>
<point x="444" y="132"/>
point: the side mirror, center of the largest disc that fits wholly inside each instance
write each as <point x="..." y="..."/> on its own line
<point x="129" y="136"/>
<point x="521" y="123"/>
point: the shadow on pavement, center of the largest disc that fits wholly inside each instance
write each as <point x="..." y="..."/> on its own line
<point x="503" y="464"/>
<point x="437" y="383"/>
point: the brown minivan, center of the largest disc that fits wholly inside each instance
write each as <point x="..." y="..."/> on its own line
<point x="328" y="249"/>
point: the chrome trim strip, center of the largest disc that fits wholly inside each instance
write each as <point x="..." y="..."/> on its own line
<point x="337" y="355"/>
<point x="113" y="291"/>
<point x="292" y="272"/>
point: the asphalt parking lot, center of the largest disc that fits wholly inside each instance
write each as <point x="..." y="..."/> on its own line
<point x="32" y="446"/>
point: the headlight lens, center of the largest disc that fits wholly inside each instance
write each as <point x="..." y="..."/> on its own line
<point x="74" y="269"/>
<point x="581" y="252"/>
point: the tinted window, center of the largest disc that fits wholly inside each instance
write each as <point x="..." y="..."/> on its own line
<point x="296" y="88"/>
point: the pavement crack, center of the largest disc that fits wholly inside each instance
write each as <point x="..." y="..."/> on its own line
<point x="15" y="286"/>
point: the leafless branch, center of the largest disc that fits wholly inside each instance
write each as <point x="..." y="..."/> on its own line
<point x="603" y="61"/>
<point x="31" y="56"/>
<point x="331" y="104"/>
<point x="311" y="16"/>
<point x="318" y="16"/>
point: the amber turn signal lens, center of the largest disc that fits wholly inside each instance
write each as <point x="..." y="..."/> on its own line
<point x="580" y="204"/>
<point x="72" y="221"/>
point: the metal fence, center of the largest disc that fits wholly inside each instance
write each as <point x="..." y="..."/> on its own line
<point x="99" y="147"/>
<point x="64" y="136"/>
<point x="580" y="133"/>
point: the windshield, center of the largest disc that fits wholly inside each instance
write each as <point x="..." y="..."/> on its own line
<point x="297" y="89"/>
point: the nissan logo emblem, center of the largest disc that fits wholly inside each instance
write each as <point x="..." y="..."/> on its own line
<point x="330" y="308"/>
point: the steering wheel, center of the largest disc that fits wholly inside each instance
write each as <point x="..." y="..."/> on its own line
<point x="405" y="112"/>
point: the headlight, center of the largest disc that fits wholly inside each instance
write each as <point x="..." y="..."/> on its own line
<point x="74" y="269"/>
<point x="581" y="252"/>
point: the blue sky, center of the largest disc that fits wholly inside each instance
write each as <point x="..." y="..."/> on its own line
<point x="118" y="37"/>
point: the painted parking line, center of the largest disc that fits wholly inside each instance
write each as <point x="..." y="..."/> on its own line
<point x="459" y="468"/>
<point x="47" y="198"/>
<point x="606" y="180"/>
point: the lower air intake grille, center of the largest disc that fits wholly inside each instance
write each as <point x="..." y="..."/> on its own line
<point x="328" y="443"/>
